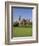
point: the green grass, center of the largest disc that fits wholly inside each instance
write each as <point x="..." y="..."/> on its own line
<point x="22" y="31"/>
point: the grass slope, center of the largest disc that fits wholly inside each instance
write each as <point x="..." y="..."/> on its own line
<point x="22" y="31"/>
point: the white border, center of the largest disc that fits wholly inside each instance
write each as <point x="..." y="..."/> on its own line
<point x="33" y="26"/>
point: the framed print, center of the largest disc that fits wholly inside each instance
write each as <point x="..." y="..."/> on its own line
<point x="21" y="22"/>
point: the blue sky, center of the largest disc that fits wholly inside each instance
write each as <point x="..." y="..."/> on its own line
<point x="25" y="13"/>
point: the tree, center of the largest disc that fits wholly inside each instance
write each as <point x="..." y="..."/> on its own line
<point x="19" y="18"/>
<point x="16" y="24"/>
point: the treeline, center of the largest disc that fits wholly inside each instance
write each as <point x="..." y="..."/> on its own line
<point x="16" y="24"/>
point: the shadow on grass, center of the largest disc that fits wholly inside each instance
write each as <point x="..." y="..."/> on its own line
<point x="24" y="26"/>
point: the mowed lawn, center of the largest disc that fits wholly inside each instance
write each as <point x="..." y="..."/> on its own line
<point x="22" y="31"/>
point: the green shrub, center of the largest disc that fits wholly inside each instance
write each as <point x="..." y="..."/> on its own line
<point x="16" y="24"/>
